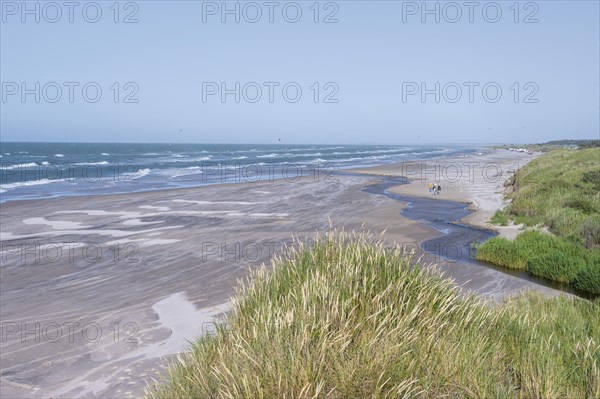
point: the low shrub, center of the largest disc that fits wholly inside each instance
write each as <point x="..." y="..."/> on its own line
<point x="543" y="255"/>
<point x="556" y="266"/>
<point x="590" y="231"/>
<point x="501" y="252"/>
<point x="588" y="279"/>
<point x="581" y="203"/>
<point x="593" y="177"/>
<point x="564" y="221"/>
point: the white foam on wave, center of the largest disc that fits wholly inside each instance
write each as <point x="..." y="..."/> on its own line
<point x="59" y="155"/>
<point x="21" y="166"/>
<point x="105" y="154"/>
<point x="91" y="163"/>
<point x="314" y="154"/>
<point x="188" y="160"/>
<point x="185" y="174"/>
<point x="137" y="175"/>
<point x="178" y="172"/>
<point x="12" y="186"/>
<point x="331" y="148"/>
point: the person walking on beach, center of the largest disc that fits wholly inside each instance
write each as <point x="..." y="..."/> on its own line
<point x="430" y="187"/>
<point x="434" y="188"/>
<point x="437" y="189"/>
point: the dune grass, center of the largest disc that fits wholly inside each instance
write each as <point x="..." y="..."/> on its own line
<point x="347" y="318"/>
<point x="500" y="218"/>
<point x="559" y="191"/>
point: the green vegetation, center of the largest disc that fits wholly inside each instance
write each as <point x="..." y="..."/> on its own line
<point x="559" y="191"/>
<point x="578" y="143"/>
<point x="500" y="218"/>
<point x="554" y="145"/>
<point x="348" y="318"/>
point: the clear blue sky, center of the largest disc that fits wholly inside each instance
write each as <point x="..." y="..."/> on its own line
<point x="369" y="54"/>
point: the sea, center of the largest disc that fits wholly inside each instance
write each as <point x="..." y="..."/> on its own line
<point x="46" y="170"/>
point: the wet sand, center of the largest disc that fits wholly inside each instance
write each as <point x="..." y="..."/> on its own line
<point x="97" y="291"/>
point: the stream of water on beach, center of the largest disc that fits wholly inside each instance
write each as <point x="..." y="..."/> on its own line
<point x="457" y="241"/>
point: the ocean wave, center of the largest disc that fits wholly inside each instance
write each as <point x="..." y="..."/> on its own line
<point x="392" y="150"/>
<point x="59" y="155"/>
<point x="20" y="166"/>
<point x="172" y="173"/>
<point x="310" y="154"/>
<point x="91" y="163"/>
<point x="313" y="148"/>
<point x="349" y="159"/>
<point x="192" y="170"/>
<point x="12" y="186"/>
<point x="137" y="175"/>
<point x="25" y="165"/>
<point x="272" y="155"/>
<point x="188" y="160"/>
<point x="251" y="150"/>
<point x="443" y="151"/>
<point x="398" y="151"/>
<point x="105" y="154"/>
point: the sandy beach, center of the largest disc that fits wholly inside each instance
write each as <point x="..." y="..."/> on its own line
<point x="97" y="291"/>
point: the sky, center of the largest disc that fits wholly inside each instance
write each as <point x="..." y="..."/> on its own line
<point x="305" y="72"/>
